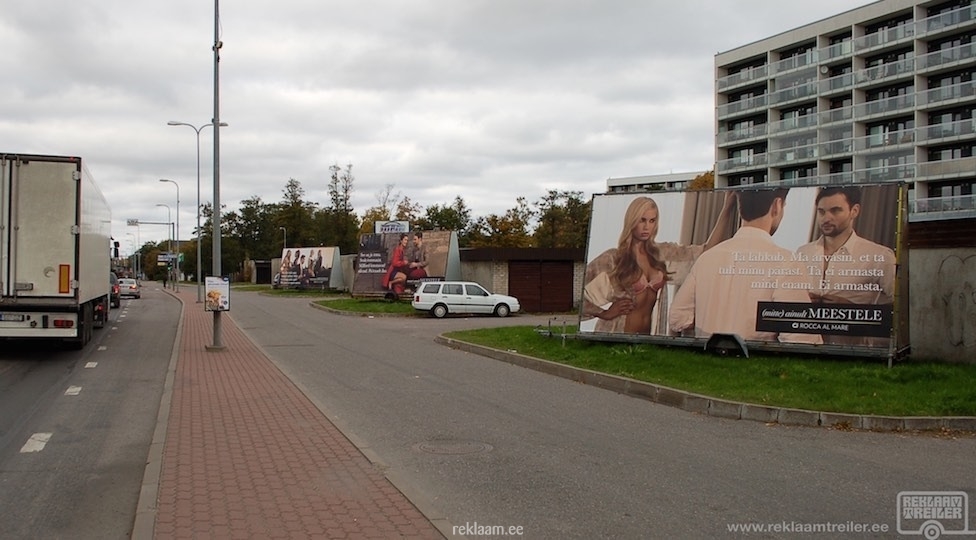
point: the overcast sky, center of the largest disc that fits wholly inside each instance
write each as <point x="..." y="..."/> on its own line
<point x="488" y="100"/>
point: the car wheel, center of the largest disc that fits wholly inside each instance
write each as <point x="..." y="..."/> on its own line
<point x="439" y="311"/>
<point x="502" y="310"/>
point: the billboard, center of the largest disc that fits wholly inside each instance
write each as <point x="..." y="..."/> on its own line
<point x="396" y="262"/>
<point x="815" y="266"/>
<point x="304" y="268"/>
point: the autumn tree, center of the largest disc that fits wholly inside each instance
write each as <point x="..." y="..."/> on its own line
<point x="508" y="230"/>
<point x="702" y="182"/>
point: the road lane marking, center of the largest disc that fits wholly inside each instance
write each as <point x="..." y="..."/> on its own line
<point x="36" y="443"/>
<point x="102" y="348"/>
<point x="90" y="365"/>
<point x="72" y="391"/>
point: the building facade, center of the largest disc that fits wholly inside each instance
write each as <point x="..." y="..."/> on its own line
<point x="652" y="182"/>
<point x="884" y="92"/>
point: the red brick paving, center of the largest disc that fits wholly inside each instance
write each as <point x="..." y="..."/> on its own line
<point x="247" y="454"/>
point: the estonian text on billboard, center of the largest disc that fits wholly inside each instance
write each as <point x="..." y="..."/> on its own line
<point x="811" y="265"/>
<point x="397" y="262"/>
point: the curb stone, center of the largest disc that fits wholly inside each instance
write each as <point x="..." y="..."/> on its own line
<point x="717" y="408"/>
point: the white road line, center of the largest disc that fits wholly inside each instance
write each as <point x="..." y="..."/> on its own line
<point x="102" y="348"/>
<point x="72" y="391"/>
<point x="90" y="365"/>
<point x="35" y="443"/>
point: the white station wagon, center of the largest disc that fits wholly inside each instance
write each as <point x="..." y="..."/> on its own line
<point x="442" y="297"/>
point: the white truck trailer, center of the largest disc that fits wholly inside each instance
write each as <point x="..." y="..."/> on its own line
<point x="55" y="249"/>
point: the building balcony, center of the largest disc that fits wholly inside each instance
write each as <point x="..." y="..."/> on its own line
<point x="947" y="58"/>
<point x="947" y="169"/>
<point x="837" y="50"/>
<point x="742" y="78"/>
<point x="793" y="155"/>
<point x="800" y="91"/>
<point x="833" y="116"/>
<point x="836" y="148"/>
<point x="885" y="106"/>
<point x="793" y="123"/>
<point x="946" y="132"/>
<point x="743" y="106"/>
<point x="939" y="208"/>
<point x="846" y="177"/>
<point x="738" y="136"/>
<point x="892" y="36"/>
<point x="947" y="94"/>
<point x="886" y="72"/>
<point x="794" y="62"/>
<point x="885" y="141"/>
<point x="741" y="163"/>
<point x="948" y="21"/>
<point x="888" y="173"/>
<point x="840" y="83"/>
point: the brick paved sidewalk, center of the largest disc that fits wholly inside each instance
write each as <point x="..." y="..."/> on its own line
<point x="247" y="454"/>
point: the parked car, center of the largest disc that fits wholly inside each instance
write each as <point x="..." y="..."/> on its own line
<point x="115" y="298"/>
<point x="130" y="287"/>
<point x="442" y="297"/>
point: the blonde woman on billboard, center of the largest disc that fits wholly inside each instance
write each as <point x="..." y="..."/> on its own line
<point x="625" y="287"/>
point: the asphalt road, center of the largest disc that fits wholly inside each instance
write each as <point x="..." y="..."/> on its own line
<point x="98" y="407"/>
<point x="484" y="443"/>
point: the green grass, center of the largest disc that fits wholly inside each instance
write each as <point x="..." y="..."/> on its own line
<point x="830" y="385"/>
<point x="369" y="305"/>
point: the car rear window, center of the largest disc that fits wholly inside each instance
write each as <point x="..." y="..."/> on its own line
<point x="432" y="288"/>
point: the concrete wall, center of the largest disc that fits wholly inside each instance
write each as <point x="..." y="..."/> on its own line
<point x="492" y="274"/>
<point x="942" y="302"/>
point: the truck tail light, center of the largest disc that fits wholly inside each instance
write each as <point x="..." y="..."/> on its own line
<point x="63" y="323"/>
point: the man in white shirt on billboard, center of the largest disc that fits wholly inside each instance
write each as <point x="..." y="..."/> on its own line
<point x="724" y="287"/>
<point x="853" y="270"/>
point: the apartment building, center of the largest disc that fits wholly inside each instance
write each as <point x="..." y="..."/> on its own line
<point x="652" y="182"/>
<point x="884" y="92"/>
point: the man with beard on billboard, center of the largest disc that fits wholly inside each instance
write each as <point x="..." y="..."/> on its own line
<point x="852" y="269"/>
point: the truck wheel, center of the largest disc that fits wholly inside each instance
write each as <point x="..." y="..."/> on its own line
<point x="86" y="319"/>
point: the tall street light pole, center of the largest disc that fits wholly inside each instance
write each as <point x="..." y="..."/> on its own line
<point x="169" y="219"/>
<point x="217" y="44"/>
<point x="284" y="238"/>
<point x="199" y="257"/>
<point x="176" y="282"/>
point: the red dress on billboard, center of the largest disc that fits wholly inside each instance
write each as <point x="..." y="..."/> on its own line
<point x="398" y="263"/>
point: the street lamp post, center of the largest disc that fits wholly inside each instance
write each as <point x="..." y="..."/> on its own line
<point x="176" y="282"/>
<point x="169" y="220"/>
<point x="217" y="331"/>
<point x="284" y="238"/>
<point x="199" y="258"/>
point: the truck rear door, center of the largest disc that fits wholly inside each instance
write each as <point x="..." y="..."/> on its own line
<point x="38" y="240"/>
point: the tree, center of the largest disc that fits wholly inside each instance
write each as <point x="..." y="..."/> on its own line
<point x="338" y="224"/>
<point x="564" y="219"/>
<point x="509" y="230"/>
<point x="702" y="182"/>
<point x="296" y="215"/>
<point x="454" y="217"/>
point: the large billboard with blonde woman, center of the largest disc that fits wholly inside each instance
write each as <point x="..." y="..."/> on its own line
<point x="816" y="267"/>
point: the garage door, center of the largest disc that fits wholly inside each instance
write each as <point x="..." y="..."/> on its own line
<point x="542" y="286"/>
